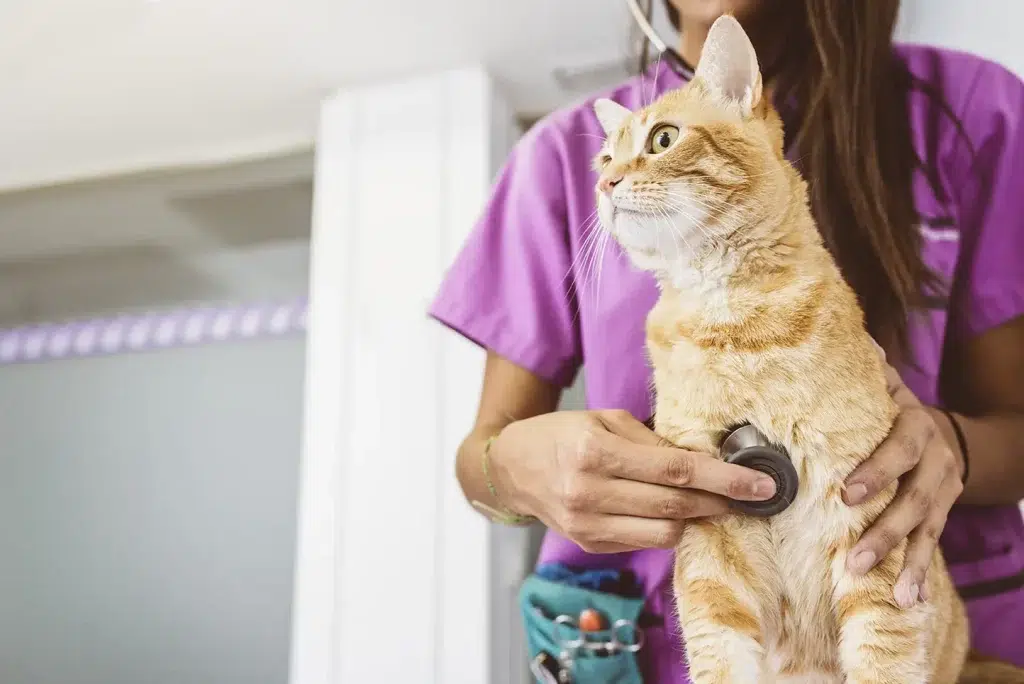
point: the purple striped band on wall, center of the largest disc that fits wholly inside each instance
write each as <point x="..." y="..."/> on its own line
<point x="150" y="331"/>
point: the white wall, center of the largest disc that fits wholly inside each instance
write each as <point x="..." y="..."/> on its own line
<point x="990" y="28"/>
<point x="384" y="528"/>
<point x="147" y="516"/>
<point x="147" y="501"/>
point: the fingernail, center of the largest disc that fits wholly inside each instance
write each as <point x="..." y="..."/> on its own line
<point x="764" y="488"/>
<point x="862" y="562"/>
<point x="855" y="493"/>
<point x="907" y="596"/>
<point x="907" y="592"/>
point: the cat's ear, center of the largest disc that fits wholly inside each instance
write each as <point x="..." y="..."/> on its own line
<point x="728" y="66"/>
<point x="611" y="115"/>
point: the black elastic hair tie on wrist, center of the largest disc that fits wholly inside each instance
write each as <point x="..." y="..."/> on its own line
<point x="961" y="442"/>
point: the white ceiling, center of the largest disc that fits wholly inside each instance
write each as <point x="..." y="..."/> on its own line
<point x="109" y="87"/>
<point x="151" y="240"/>
<point x="179" y="211"/>
<point x="99" y="87"/>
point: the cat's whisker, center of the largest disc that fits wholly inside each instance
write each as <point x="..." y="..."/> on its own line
<point x="643" y="88"/>
<point x="683" y="211"/>
<point x="661" y="215"/>
<point x="654" y="86"/>
<point x="583" y="262"/>
<point x="597" y="264"/>
<point x="593" y="254"/>
<point x="710" y="203"/>
<point x="589" y="234"/>
<point x="725" y="213"/>
<point x="589" y="268"/>
<point x="699" y="203"/>
<point x="600" y="269"/>
<point x="668" y="222"/>
<point x="580" y="259"/>
<point x="684" y="205"/>
<point x="588" y="226"/>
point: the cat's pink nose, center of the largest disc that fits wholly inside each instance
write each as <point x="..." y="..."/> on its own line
<point x="608" y="183"/>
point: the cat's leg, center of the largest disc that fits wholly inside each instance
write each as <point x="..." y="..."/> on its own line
<point x="721" y="579"/>
<point x="720" y="590"/>
<point x="879" y="642"/>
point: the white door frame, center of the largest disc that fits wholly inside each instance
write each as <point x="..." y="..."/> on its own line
<point x="397" y="579"/>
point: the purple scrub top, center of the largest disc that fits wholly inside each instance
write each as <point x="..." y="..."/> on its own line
<point x="523" y="288"/>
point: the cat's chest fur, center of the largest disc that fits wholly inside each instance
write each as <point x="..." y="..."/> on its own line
<point x="705" y="384"/>
<point x="720" y="360"/>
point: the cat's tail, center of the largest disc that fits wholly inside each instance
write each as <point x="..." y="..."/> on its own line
<point x="980" y="669"/>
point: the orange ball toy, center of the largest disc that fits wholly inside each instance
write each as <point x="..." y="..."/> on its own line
<point x="591" y="621"/>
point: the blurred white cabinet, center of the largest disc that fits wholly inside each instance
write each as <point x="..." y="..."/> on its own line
<point x="397" y="579"/>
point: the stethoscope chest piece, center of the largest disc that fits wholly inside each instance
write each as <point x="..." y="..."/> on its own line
<point x="746" y="446"/>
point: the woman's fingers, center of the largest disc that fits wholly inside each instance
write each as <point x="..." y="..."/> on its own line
<point x="898" y="390"/>
<point x="914" y="503"/>
<point x="643" y="500"/>
<point x="598" y="533"/>
<point x="924" y="540"/>
<point x="620" y="487"/>
<point x="921" y="545"/>
<point x="894" y="383"/>
<point x="644" y="456"/>
<point x="898" y="454"/>
<point x="623" y="424"/>
<point x="673" y="467"/>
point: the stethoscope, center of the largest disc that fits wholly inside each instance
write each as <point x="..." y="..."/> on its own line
<point x="672" y="58"/>
<point x="685" y="71"/>
<point x="744" y="445"/>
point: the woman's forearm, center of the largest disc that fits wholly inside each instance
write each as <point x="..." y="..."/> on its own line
<point x="995" y="445"/>
<point x="509" y="393"/>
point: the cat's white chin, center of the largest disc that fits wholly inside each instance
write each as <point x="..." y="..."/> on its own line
<point x="661" y="242"/>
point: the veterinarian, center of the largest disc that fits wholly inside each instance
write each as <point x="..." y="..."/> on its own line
<point x="915" y="160"/>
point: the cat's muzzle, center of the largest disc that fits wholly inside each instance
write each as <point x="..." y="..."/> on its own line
<point x="746" y="446"/>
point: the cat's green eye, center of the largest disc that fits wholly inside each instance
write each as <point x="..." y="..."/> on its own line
<point x="662" y="138"/>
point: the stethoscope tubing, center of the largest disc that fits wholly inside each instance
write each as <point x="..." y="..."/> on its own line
<point x="671" y="57"/>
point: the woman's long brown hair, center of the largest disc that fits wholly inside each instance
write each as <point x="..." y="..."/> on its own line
<point x="834" y="60"/>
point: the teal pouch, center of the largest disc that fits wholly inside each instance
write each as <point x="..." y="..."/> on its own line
<point x="550" y="612"/>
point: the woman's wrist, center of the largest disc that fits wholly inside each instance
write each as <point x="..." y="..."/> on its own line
<point x="994" y="469"/>
<point x="952" y="433"/>
<point x="502" y="505"/>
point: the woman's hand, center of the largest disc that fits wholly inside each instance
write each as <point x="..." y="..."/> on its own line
<point x="930" y="484"/>
<point x="608" y="483"/>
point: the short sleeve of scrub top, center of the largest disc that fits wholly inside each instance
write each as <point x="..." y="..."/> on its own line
<point x="989" y="289"/>
<point x="509" y="288"/>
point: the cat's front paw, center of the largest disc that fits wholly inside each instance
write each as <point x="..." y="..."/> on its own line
<point x="727" y="659"/>
<point x="739" y="673"/>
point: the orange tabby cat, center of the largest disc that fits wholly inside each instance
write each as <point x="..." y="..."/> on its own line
<point x="755" y="324"/>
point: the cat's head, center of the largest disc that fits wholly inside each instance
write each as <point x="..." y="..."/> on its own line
<point x="698" y="166"/>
